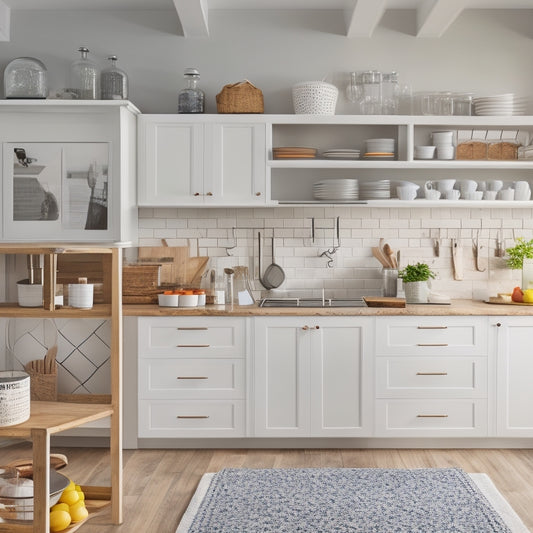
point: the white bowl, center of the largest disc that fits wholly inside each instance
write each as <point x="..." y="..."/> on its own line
<point x="168" y="300"/>
<point x="188" y="300"/>
<point x="442" y="137"/>
<point x="29" y="295"/>
<point x="425" y="152"/>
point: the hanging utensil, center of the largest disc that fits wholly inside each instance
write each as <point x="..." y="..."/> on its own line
<point x="262" y="280"/>
<point x="274" y="274"/>
<point x="389" y="252"/>
<point x="381" y="257"/>
<point x="457" y="260"/>
<point x="476" y="249"/>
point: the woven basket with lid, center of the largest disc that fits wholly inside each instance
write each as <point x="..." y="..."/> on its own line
<point x="240" y="97"/>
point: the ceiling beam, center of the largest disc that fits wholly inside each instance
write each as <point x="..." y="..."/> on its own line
<point x="193" y="17"/>
<point x="434" y="17"/>
<point x="5" y="22"/>
<point x="361" y="21"/>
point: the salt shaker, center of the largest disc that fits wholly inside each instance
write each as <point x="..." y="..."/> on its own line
<point x="191" y="98"/>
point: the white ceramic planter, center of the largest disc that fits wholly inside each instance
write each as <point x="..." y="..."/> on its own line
<point x="416" y="292"/>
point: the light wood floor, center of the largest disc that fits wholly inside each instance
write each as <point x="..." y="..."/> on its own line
<point x="159" y="483"/>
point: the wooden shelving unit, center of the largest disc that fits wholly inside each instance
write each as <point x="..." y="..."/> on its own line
<point x="62" y="264"/>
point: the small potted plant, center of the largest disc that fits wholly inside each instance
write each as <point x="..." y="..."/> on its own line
<point x="520" y="257"/>
<point x="415" y="278"/>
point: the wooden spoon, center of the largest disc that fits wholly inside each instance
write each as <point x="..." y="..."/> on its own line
<point x="390" y="254"/>
<point x="50" y="359"/>
<point x="380" y="256"/>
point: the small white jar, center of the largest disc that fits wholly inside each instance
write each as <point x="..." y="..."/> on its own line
<point x="80" y="295"/>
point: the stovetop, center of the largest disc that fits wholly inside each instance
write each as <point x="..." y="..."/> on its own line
<point x="312" y="302"/>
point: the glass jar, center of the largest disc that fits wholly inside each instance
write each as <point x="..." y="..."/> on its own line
<point x="114" y="82"/>
<point x="191" y="98"/>
<point x="26" y="77"/>
<point x="371" y="95"/>
<point x="242" y="294"/>
<point x="390" y="94"/>
<point x="84" y="77"/>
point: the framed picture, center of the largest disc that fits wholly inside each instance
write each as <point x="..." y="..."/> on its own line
<point x="56" y="191"/>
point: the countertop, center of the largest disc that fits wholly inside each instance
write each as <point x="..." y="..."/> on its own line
<point x="456" y="308"/>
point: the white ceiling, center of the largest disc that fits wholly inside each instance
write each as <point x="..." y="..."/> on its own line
<point x="433" y="17"/>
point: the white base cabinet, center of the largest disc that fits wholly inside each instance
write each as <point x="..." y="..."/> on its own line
<point x="512" y="337"/>
<point x="312" y="376"/>
<point x="201" y="161"/>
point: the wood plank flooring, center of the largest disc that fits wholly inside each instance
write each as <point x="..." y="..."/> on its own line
<point x="158" y="484"/>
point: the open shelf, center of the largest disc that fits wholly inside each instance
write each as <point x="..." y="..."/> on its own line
<point x="13" y="310"/>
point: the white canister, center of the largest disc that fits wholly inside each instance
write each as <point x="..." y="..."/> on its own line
<point x="14" y="397"/>
<point x="80" y="294"/>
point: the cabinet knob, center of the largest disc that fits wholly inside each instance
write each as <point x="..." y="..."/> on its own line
<point x="196" y="194"/>
<point x="317" y="327"/>
<point x="209" y="194"/>
<point x="499" y="324"/>
<point x="258" y="194"/>
<point x="305" y="328"/>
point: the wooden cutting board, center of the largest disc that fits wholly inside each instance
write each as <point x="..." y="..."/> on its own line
<point x="177" y="267"/>
<point x="384" y="301"/>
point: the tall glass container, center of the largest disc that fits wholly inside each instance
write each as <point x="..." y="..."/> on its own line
<point x="191" y="98"/>
<point x="114" y="82"/>
<point x="390" y="94"/>
<point x="26" y="77"/>
<point x="84" y="77"/>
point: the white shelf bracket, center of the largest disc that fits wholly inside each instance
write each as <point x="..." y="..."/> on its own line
<point x="434" y="17"/>
<point x="193" y="17"/>
<point x="363" y="18"/>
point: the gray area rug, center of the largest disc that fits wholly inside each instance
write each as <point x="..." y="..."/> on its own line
<point x="346" y="500"/>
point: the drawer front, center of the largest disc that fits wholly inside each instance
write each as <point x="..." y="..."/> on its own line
<point x="195" y="418"/>
<point x="431" y="418"/>
<point x="192" y="336"/>
<point x="431" y="377"/>
<point x="188" y="379"/>
<point x="435" y="335"/>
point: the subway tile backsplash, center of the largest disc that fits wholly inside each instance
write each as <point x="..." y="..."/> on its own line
<point x="354" y="271"/>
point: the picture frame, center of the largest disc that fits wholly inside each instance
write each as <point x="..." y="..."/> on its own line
<point x="57" y="191"/>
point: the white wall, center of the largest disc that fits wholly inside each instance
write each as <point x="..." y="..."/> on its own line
<point x="483" y="51"/>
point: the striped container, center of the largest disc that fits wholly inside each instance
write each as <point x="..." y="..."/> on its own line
<point x="14" y="397"/>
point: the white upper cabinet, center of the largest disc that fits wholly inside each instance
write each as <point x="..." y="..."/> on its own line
<point x="201" y="160"/>
<point x="68" y="171"/>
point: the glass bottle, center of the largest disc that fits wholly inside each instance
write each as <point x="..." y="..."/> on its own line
<point x="191" y="98"/>
<point x="26" y="77"/>
<point x="114" y="82"/>
<point x="84" y="77"/>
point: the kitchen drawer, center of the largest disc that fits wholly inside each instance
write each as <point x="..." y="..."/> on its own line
<point x="431" y="335"/>
<point x="198" y="378"/>
<point x="431" y="418"/>
<point x="431" y="377"/>
<point x="195" y="418"/>
<point x="192" y="336"/>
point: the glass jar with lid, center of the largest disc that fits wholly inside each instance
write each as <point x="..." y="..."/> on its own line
<point x="114" y="82"/>
<point x="191" y="98"/>
<point x="26" y="77"/>
<point x="84" y="78"/>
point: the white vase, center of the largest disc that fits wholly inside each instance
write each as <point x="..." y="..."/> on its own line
<point x="416" y="292"/>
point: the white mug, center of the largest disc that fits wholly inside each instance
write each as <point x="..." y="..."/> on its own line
<point x="494" y="185"/>
<point x="406" y="192"/>
<point x="445" y="185"/>
<point x="467" y="186"/>
<point x="452" y="194"/>
<point x="489" y="195"/>
<point x="522" y="192"/>
<point x="506" y="194"/>
<point x="476" y="195"/>
<point x="432" y="194"/>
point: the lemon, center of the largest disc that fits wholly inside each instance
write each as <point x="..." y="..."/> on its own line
<point x="71" y="486"/>
<point x="78" y="511"/>
<point x="81" y="495"/>
<point x="69" y="497"/>
<point x="60" y="507"/>
<point x="77" y="487"/>
<point x="528" y="296"/>
<point x="59" y="520"/>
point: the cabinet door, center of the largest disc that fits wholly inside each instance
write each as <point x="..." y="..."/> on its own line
<point x="281" y="377"/>
<point x="235" y="164"/>
<point x="340" y="376"/>
<point x="514" y="376"/>
<point x="170" y="162"/>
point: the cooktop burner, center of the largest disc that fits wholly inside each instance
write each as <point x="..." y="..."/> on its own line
<point x="312" y="302"/>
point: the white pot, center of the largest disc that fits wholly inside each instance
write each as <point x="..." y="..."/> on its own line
<point x="416" y="292"/>
<point x="80" y="295"/>
<point x="29" y="295"/>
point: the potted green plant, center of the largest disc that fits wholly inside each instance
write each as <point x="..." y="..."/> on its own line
<point x="520" y="257"/>
<point x="415" y="278"/>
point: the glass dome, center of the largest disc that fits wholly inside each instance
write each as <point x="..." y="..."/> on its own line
<point x="26" y="77"/>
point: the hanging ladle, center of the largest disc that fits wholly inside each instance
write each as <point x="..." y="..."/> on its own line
<point x="274" y="274"/>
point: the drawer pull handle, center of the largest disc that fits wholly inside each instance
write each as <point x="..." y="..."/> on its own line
<point x="192" y="329"/>
<point x="432" y="416"/>
<point x="433" y="344"/>
<point x="192" y="377"/>
<point x="192" y="416"/>
<point x="193" y="345"/>
<point x="432" y="373"/>
<point x="305" y="328"/>
<point x="432" y="327"/>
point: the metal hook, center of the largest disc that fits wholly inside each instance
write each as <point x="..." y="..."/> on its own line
<point x="228" y="248"/>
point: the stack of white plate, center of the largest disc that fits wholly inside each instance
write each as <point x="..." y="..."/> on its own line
<point x="499" y="105"/>
<point x="380" y="146"/>
<point x="339" y="190"/>
<point x="375" y="190"/>
<point x="341" y="153"/>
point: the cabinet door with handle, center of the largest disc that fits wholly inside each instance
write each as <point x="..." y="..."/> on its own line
<point x="171" y="161"/>
<point x="235" y="163"/>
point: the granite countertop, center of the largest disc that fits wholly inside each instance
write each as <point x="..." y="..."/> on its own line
<point x="457" y="308"/>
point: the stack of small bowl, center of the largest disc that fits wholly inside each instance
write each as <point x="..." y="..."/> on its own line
<point x="443" y="140"/>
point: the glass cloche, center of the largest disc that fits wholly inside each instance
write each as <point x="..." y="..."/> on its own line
<point x="26" y="77"/>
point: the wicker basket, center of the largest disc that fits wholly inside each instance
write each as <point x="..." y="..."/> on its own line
<point x="43" y="386"/>
<point x="314" y="98"/>
<point x="14" y="397"/>
<point x="240" y="97"/>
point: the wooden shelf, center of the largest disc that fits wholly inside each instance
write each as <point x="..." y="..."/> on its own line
<point x="13" y="310"/>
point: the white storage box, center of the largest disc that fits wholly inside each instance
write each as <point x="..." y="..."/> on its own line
<point x="314" y="98"/>
<point x="14" y="397"/>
